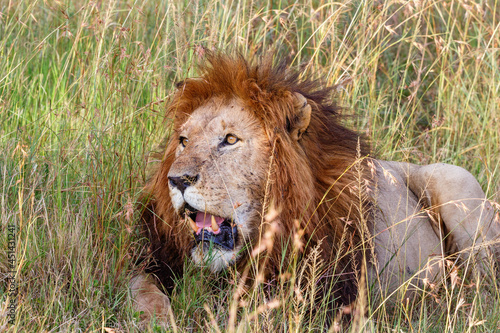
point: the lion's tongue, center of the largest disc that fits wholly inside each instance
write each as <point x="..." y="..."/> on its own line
<point x="205" y="220"/>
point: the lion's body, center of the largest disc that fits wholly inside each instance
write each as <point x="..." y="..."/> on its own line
<point x="424" y="214"/>
<point x="248" y="137"/>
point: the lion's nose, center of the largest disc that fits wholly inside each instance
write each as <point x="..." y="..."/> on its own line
<point x="181" y="183"/>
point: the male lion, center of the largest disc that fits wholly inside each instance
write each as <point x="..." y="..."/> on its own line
<point x="249" y="135"/>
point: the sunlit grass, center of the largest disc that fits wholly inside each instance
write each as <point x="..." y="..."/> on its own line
<point x="83" y="89"/>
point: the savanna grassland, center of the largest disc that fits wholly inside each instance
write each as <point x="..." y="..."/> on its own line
<point x="83" y="89"/>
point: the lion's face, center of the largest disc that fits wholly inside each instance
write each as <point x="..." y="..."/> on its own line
<point x="217" y="180"/>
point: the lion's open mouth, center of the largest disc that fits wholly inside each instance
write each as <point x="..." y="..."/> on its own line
<point x="210" y="228"/>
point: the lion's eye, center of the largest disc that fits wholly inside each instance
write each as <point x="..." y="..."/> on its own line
<point x="183" y="141"/>
<point x="230" y="139"/>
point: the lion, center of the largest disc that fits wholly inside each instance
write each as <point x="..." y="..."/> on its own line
<point x="247" y="137"/>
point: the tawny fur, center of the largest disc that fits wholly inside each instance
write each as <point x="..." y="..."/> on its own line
<point x="343" y="201"/>
<point x="318" y="169"/>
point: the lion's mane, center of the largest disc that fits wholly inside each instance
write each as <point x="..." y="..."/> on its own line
<point x="315" y="180"/>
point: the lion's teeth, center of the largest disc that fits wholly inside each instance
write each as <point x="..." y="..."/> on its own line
<point x="192" y="224"/>
<point x="215" y="226"/>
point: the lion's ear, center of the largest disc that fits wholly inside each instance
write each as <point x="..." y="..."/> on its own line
<point x="302" y="116"/>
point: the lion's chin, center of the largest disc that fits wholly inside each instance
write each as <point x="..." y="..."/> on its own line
<point x="210" y="255"/>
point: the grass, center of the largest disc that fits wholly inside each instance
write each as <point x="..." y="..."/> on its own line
<point x="83" y="87"/>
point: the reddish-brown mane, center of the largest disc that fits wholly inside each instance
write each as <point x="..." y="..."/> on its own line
<point x="314" y="181"/>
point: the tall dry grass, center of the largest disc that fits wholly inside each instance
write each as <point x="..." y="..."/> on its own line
<point x="83" y="87"/>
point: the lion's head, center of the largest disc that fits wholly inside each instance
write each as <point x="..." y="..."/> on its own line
<point x="217" y="179"/>
<point x="246" y="135"/>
